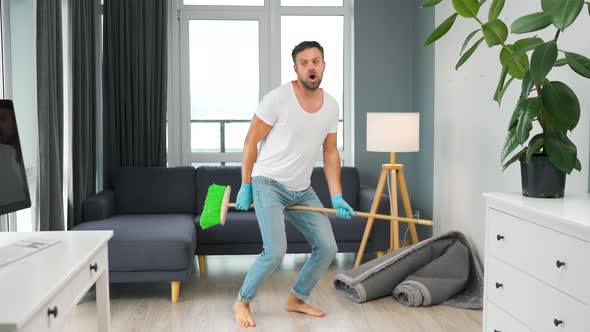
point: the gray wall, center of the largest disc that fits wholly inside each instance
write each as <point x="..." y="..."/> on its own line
<point x="423" y="95"/>
<point x="394" y="73"/>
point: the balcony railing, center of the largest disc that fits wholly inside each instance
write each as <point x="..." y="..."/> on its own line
<point x="222" y="144"/>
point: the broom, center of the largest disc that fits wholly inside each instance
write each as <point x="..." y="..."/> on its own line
<point x="217" y="203"/>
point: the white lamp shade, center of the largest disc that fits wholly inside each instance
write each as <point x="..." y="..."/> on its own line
<point x="393" y="132"/>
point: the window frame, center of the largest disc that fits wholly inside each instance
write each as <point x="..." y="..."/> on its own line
<point x="6" y="221"/>
<point x="269" y="18"/>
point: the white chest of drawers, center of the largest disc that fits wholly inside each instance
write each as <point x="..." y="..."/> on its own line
<point x="38" y="292"/>
<point x="537" y="263"/>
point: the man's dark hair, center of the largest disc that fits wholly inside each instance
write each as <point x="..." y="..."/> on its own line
<point x="305" y="45"/>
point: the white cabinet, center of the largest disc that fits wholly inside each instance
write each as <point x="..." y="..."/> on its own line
<point x="38" y="292"/>
<point x="537" y="263"/>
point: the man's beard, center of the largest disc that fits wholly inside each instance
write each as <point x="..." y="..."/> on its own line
<point x="311" y="86"/>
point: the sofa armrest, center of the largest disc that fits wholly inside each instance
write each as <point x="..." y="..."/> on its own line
<point x="366" y="196"/>
<point x="99" y="206"/>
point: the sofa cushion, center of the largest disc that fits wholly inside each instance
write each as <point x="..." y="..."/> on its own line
<point x="231" y="175"/>
<point x="240" y="227"/>
<point x="345" y="230"/>
<point x="164" y="242"/>
<point x="146" y="190"/>
<point x="221" y="175"/>
<point x="349" y="178"/>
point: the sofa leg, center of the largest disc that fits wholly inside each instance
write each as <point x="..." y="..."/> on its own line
<point x="201" y="264"/>
<point x="380" y="253"/>
<point x="175" y="287"/>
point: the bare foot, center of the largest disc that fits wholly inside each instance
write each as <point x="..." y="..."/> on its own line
<point x="243" y="315"/>
<point x="296" y="305"/>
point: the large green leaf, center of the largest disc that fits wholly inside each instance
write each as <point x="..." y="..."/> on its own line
<point x="466" y="8"/>
<point x="500" y="86"/>
<point x="527" y="85"/>
<point x="561" y="105"/>
<point x="466" y="42"/>
<point x="495" y="9"/>
<point x="524" y="45"/>
<point x="542" y="61"/>
<point x="564" y="13"/>
<point x="510" y="143"/>
<point x="531" y="22"/>
<point x="441" y="30"/>
<point x="468" y="54"/>
<point x="588" y="4"/>
<point x="549" y="5"/>
<point x="560" y="62"/>
<point x="516" y="113"/>
<point x="500" y="94"/>
<point x="561" y="151"/>
<point x="578" y="63"/>
<point x="525" y="121"/>
<point x="495" y="32"/>
<point x="431" y="3"/>
<point x="535" y="146"/>
<point x="481" y="2"/>
<point x="513" y="159"/>
<point x="518" y="66"/>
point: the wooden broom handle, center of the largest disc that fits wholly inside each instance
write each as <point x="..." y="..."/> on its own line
<point x="356" y="213"/>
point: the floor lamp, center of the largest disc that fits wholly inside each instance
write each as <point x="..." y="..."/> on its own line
<point x="391" y="132"/>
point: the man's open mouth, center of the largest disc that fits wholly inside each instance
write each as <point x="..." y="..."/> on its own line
<point x="312" y="76"/>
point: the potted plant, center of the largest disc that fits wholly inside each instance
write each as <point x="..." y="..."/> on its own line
<point x="550" y="154"/>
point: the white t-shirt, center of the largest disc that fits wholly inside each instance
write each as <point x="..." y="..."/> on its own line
<point x="289" y="151"/>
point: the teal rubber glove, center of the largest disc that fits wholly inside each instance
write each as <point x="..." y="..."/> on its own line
<point x="244" y="198"/>
<point x="344" y="210"/>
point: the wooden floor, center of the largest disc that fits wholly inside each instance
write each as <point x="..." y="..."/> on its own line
<point x="205" y="304"/>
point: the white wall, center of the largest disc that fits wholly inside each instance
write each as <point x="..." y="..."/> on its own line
<point x="470" y="128"/>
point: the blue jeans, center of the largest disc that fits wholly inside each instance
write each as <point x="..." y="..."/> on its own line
<point x="271" y="200"/>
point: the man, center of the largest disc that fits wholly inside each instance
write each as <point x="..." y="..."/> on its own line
<point x="292" y="122"/>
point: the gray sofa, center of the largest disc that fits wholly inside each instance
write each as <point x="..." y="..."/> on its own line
<point x="154" y="213"/>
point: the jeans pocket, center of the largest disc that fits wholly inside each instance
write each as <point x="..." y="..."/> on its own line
<point x="264" y="180"/>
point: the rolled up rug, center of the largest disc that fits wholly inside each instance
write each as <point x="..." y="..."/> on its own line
<point x="379" y="277"/>
<point x="438" y="280"/>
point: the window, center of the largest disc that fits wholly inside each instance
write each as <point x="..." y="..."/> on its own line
<point x="3" y="219"/>
<point x="225" y="2"/>
<point x="227" y="67"/>
<point x="19" y="56"/>
<point x="311" y="3"/>
<point x="230" y="53"/>
<point x="294" y="29"/>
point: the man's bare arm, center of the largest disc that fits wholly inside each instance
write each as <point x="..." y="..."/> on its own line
<point x="258" y="130"/>
<point x="332" y="164"/>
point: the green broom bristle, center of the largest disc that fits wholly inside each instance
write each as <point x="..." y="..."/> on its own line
<point x="211" y="214"/>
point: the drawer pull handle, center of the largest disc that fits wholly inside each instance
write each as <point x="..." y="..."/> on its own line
<point x="497" y="330"/>
<point x="94" y="267"/>
<point x="498" y="285"/>
<point x="52" y="312"/>
<point x="557" y="322"/>
<point x="499" y="237"/>
<point x="559" y="264"/>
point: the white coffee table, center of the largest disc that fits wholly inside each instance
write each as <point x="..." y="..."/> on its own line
<point x="38" y="292"/>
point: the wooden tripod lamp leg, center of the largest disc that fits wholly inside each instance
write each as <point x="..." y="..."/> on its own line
<point x="393" y="224"/>
<point x="406" y="201"/>
<point x="370" y="220"/>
